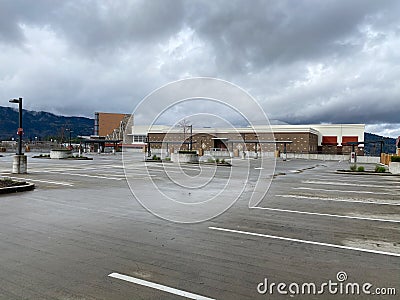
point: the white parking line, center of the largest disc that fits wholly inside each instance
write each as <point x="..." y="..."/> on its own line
<point x="342" y="191"/>
<point x="84" y="175"/>
<point x="159" y="287"/>
<point x="338" y="200"/>
<point x="326" y="215"/>
<point x="348" y="184"/>
<point x="78" y="171"/>
<point x="181" y="167"/>
<point x="305" y="241"/>
<point x="93" y="176"/>
<point x="371" y="178"/>
<point x="352" y="178"/>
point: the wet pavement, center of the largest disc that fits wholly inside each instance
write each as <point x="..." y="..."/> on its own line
<point x="82" y="223"/>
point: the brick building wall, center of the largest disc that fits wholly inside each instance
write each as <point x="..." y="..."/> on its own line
<point x="301" y="142"/>
<point x="105" y="123"/>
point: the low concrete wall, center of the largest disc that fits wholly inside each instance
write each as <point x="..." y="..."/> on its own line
<point x="220" y="153"/>
<point x="368" y="159"/>
<point x="334" y="157"/>
<point x="249" y="154"/>
<point x="59" y="154"/>
<point x="316" y="156"/>
<point x="184" y="158"/>
<point x="394" y="167"/>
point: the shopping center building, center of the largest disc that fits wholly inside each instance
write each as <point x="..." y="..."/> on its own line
<point x="307" y="139"/>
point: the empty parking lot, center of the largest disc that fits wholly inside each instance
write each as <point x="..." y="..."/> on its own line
<point x="82" y="235"/>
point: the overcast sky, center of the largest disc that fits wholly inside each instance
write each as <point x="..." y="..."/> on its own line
<point x="304" y="61"/>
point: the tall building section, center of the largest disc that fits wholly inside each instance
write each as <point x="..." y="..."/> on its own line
<point x="108" y="124"/>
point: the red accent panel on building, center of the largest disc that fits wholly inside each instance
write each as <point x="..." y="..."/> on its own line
<point x="349" y="139"/>
<point x="329" y="140"/>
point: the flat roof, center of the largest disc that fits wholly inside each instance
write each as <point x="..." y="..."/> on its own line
<point x="272" y="129"/>
<point x="100" y="141"/>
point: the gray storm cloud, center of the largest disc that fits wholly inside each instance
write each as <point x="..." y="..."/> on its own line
<point x="304" y="61"/>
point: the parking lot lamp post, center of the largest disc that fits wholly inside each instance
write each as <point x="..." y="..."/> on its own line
<point x="70" y="132"/>
<point x="20" y="131"/>
<point x="20" y="160"/>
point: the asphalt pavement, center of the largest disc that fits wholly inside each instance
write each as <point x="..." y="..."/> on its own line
<point x="81" y="234"/>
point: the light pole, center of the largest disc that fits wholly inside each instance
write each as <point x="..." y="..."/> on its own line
<point x="191" y="138"/>
<point x="20" y="161"/>
<point x="70" y="132"/>
<point x="244" y="145"/>
<point x="69" y="141"/>
<point x="20" y="130"/>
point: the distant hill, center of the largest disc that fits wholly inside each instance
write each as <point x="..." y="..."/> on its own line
<point x="42" y="125"/>
<point x="374" y="149"/>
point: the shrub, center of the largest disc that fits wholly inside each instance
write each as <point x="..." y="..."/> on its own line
<point x="395" y="158"/>
<point x="380" y="169"/>
<point x="155" y="157"/>
<point x="217" y="160"/>
<point x="360" y="169"/>
<point x="6" y="180"/>
<point x="222" y="161"/>
<point x="187" y="151"/>
<point x="210" y="160"/>
<point x="168" y="158"/>
<point x="353" y="167"/>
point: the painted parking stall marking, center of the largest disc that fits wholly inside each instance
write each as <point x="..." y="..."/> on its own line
<point x="326" y="215"/>
<point x="159" y="287"/>
<point x="348" y="184"/>
<point x="304" y="241"/>
<point x="87" y="175"/>
<point x="364" y="201"/>
<point x="342" y="191"/>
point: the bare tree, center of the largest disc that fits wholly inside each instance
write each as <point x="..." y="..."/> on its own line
<point x="187" y="128"/>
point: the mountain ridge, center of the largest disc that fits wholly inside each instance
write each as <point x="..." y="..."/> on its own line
<point x="45" y="125"/>
<point x="42" y="125"/>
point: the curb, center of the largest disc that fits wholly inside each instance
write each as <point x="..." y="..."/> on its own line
<point x="365" y="173"/>
<point x="19" y="188"/>
<point x="216" y="164"/>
